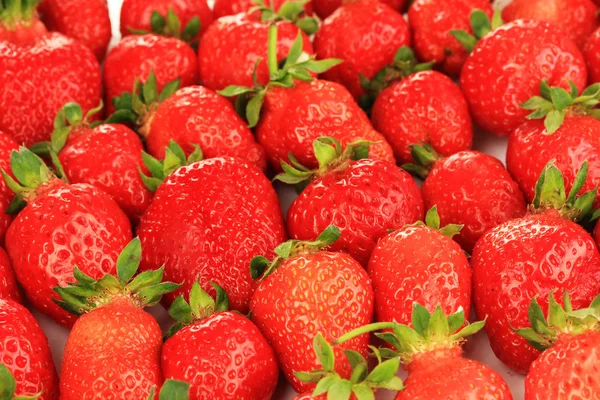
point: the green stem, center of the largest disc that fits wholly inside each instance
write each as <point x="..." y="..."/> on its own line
<point x="365" y="329"/>
<point x="272" y="50"/>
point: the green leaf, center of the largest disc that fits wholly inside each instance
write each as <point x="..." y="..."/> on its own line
<point x="221" y="300"/>
<point x="169" y="89"/>
<point x="497" y="20"/>
<point x="537" y="102"/>
<point x="556" y="315"/>
<point x="467" y="40"/>
<point x="180" y="310"/>
<point x="456" y="320"/>
<point x="480" y="23"/>
<point x="328" y="236"/>
<point x="420" y="319"/>
<point x="258" y="265"/>
<point x="384" y="371"/>
<point x="174" y="390"/>
<point x="560" y="98"/>
<point x="129" y="261"/>
<point x="545" y="90"/>
<point x="438" y="324"/>
<point x="295" y="50"/>
<point x="324" y="384"/>
<point x="149" y="89"/>
<point x="157" y="22"/>
<point x="308" y="25"/>
<point x="253" y="108"/>
<point x="537" y="318"/>
<point x="325" y="153"/>
<point x="8" y="385"/>
<point x="191" y="30"/>
<point x="311" y="377"/>
<point x="363" y="392"/>
<point x="468" y="330"/>
<point x="146" y="278"/>
<point x="340" y="390"/>
<point x="201" y="303"/>
<point x="320" y="66"/>
<point x="324" y="353"/>
<point x="533" y="338"/>
<point x="432" y="219"/>
<point x="394" y="383"/>
<point x="28" y="168"/>
<point x="554" y="121"/>
<point x="550" y="188"/>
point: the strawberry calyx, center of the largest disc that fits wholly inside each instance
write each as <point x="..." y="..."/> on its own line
<point x="143" y="290"/>
<point x="261" y="267"/>
<point x="481" y="25"/>
<point x="297" y="65"/>
<point x="432" y="220"/>
<point x="556" y="103"/>
<point x="170" y="26"/>
<point x="361" y="383"/>
<point x="430" y="332"/>
<point x="292" y="11"/>
<point x="8" y="386"/>
<point x="425" y="158"/>
<point x="174" y="159"/>
<point x="331" y="157"/>
<point x="200" y="306"/>
<point x="15" y="13"/>
<point x="171" y="389"/>
<point x="562" y="320"/>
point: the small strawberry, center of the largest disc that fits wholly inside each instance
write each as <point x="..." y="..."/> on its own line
<point x="7" y="145"/>
<point x="60" y="226"/>
<point x="86" y="21"/>
<point x="433" y="21"/>
<point x="26" y="354"/>
<point x="591" y="52"/>
<point x="570" y="341"/>
<point x="221" y="353"/>
<point x="113" y="350"/>
<point x="530" y="256"/>
<point x="365" y="34"/>
<point x="224" y="8"/>
<point x="468" y="188"/>
<point x="8" y="283"/>
<point x="378" y="195"/>
<point x="306" y="290"/>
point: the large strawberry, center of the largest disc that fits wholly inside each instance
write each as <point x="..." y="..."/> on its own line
<point x="506" y="66"/>
<point x="61" y="226"/>
<point x="324" y="8"/>
<point x="530" y="256"/>
<point x="364" y="198"/>
<point x="86" y="21"/>
<point x="113" y="350"/>
<point x="304" y="291"/>
<point x="221" y="353"/>
<point x="468" y="188"/>
<point x="223" y="8"/>
<point x="432" y="22"/>
<point x="206" y="222"/>
<point x="591" y="52"/>
<point x="8" y="283"/>
<point x="26" y="354"/>
<point x="41" y="72"/>
<point x="343" y="35"/>
<point x="7" y="145"/>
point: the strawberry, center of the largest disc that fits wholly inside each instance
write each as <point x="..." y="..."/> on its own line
<point x="189" y="116"/>
<point x="577" y="18"/>
<point x="41" y="72"/>
<point x="431" y="351"/>
<point x="570" y="341"/>
<point x="296" y="113"/>
<point x="9" y="386"/>
<point x="562" y="128"/>
<point x="420" y="263"/>
<point x="468" y="188"/>
<point x="324" y="8"/>
<point x="113" y="350"/>
<point x="26" y="354"/>
<point x="591" y="52"/>
<point x="224" y="8"/>
<point x="8" y="284"/>
<point x="60" y="226"/>
<point x="7" y="145"/>
<point x="378" y="195"/>
<point x="87" y="22"/>
<point x="138" y="57"/>
<point x="344" y="35"/>
<point x="221" y="353"/>
<point x="530" y="256"/>
<point x="432" y="22"/>
<point x="306" y="290"/>
<point x="506" y="66"/>
<point x="205" y="223"/>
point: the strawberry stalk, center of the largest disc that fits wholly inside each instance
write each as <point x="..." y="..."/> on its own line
<point x="171" y="390"/>
<point x="8" y="386"/>
<point x="481" y="25"/>
<point x="272" y="51"/>
<point x="425" y="158"/>
<point x="15" y="12"/>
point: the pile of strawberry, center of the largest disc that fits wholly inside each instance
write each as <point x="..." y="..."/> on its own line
<point x="146" y="174"/>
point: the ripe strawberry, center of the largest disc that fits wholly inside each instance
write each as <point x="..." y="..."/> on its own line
<point x="568" y="134"/>
<point x="343" y="35"/>
<point x="505" y="67"/>
<point x="86" y="21"/>
<point x="433" y="21"/>
<point x="205" y="223"/>
<point x="420" y="263"/>
<point x="8" y="284"/>
<point x="190" y="116"/>
<point x="113" y="350"/>
<point x="26" y="354"/>
<point x="530" y="256"/>
<point x="41" y="72"/>
<point x="304" y="291"/>
<point x="577" y="18"/>
<point x="137" y="57"/>
<point x="283" y="8"/>
<point x="378" y="195"/>
<point x="570" y="341"/>
<point x="431" y="351"/>
<point x="61" y="226"/>
<point x="7" y="145"/>
<point x="221" y="353"/>
<point x="468" y="188"/>
<point x="591" y="52"/>
<point x="324" y="8"/>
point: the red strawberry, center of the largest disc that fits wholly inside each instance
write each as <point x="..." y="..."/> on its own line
<point x="113" y="350"/>
<point x="591" y="52"/>
<point x="570" y="341"/>
<point x="568" y="134"/>
<point x="7" y="145"/>
<point x="61" y="226"/>
<point x="506" y="66"/>
<point x="324" y="8"/>
<point x="304" y="291"/>
<point x="40" y="73"/>
<point x="420" y="263"/>
<point x="8" y="284"/>
<point x="221" y="353"/>
<point x="137" y="57"/>
<point x="365" y="198"/>
<point x="433" y="21"/>
<point x="224" y="8"/>
<point x="469" y="188"/>
<point x="530" y="256"/>
<point x="365" y="34"/>
<point x="205" y="223"/>
<point x="86" y="21"/>
<point x="26" y="354"/>
<point x="577" y="18"/>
